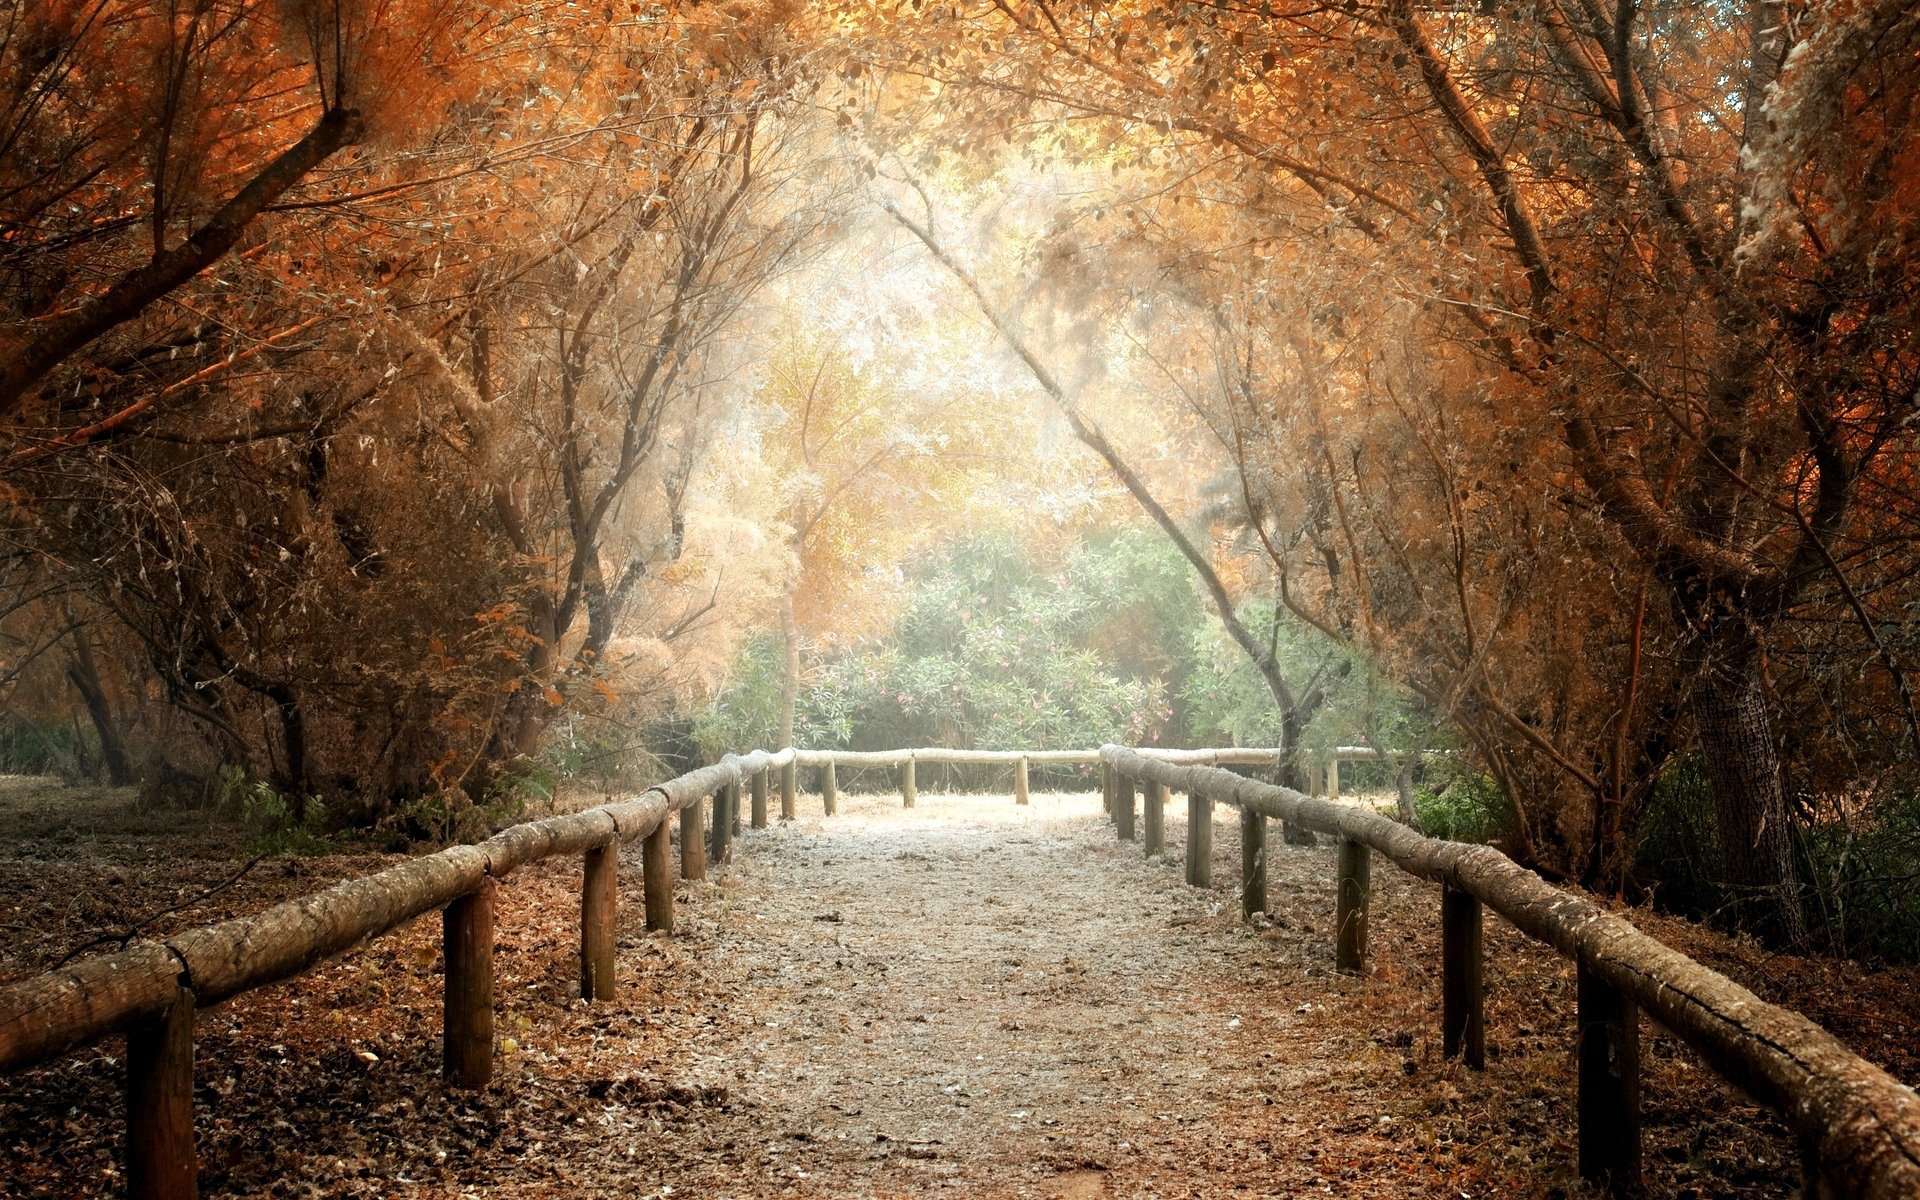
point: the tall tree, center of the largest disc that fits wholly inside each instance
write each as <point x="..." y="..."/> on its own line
<point x="1693" y="300"/>
<point x="1295" y="705"/>
<point x="408" y="516"/>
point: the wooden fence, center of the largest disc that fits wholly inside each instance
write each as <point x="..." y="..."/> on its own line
<point x="1858" y="1127"/>
<point x="151" y="990"/>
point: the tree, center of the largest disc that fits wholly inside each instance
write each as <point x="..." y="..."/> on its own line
<point x="386" y="580"/>
<point x="997" y="643"/>
<point x="1296" y="707"/>
<point x="141" y="141"/>
<point x="1658" y="281"/>
<point x="868" y="462"/>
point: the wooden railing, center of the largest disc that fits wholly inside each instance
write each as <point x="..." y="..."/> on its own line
<point x="1326" y="764"/>
<point x="1858" y="1127"/>
<point x="151" y="990"/>
<point x="907" y="761"/>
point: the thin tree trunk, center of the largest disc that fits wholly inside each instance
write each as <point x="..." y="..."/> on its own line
<point x="1293" y="770"/>
<point x="531" y="712"/>
<point x="1403" y="787"/>
<point x="84" y="674"/>
<point x="790" y="667"/>
<point x="293" y="737"/>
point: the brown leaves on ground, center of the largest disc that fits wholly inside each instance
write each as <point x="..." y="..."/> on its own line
<point x="969" y="997"/>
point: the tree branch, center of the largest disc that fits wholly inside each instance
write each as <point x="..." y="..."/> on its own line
<point x="24" y="364"/>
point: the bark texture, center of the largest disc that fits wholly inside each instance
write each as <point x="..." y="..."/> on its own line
<point x="1750" y="812"/>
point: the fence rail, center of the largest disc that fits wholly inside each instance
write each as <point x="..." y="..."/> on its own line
<point x="1251" y="756"/>
<point x="1858" y="1127"/>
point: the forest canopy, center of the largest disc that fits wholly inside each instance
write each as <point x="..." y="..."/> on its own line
<point x="395" y="390"/>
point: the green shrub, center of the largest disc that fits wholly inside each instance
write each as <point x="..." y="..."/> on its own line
<point x="1860" y="860"/>
<point x="1863" y="870"/>
<point x="30" y="747"/>
<point x="999" y="648"/>
<point x="1463" y="806"/>
<point x="1677" y="853"/>
<point x="598" y="758"/>
<point x="280" y="824"/>
<point x="992" y="651"/>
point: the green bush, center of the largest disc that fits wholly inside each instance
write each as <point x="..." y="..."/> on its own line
<point x="30" y="747"/>
<point x="280" y="824"/>
<point x="592" y="755"/>
<point x="997" y="648"/>
<point x="1860" y="859"/>
<point x="1863" y="870"/>
<point x="1463" y="806"/>
<point x="992" y="651"/>
<point x="1677" y="852"/>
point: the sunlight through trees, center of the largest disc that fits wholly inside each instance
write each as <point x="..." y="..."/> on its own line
<point x="407" y="402"/>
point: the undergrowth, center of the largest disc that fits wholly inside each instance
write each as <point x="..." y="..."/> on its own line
<point x="1463" y="806"/>
<point x="1859" y="863"/>
<point x="30" y="747"/>
<point x="278" y="824"/>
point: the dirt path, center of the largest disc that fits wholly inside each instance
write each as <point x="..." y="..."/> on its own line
<point x="999" y="1000"/>
<point x="970" y="998"/>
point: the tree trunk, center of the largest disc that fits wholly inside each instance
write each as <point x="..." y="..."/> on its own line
<point x="293" y="738"/>
<point x="84" y="674"/>
<point x="1293" y="773"/>
<point x="1749" y="800"/>
<point x="790" y="667"/>
<point x="529" y="711"/>
<point x="1403" y="788"/>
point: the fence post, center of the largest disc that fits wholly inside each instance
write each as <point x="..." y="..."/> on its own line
<point x="759" y="801"/>
<point x="1350" y="911"/>
<point x="1199" y="840"/>
<point x="1153" y="819"/>
<point x="656" y="876"/>
<point x="1020" y="782"/>
<point x="1253" y="862"/>
<point x="693" y="841"/>
<point x="1463" y="1022"/>
<point x="1609" y="1049"/>
<point x="1107" y="778"/>
<point x="906" y="784"/>
<point x="160" y="1158"/>
<point x="599" y="904"/>
<point x="1333" y="776"/>
<point x="1123" y="806"/>
<point x="467" y="1028"/>
<point x="829" y="789"/>
<point x="789" y="784"/>
<point x="726" y="810"/>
